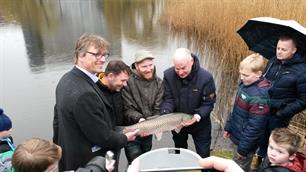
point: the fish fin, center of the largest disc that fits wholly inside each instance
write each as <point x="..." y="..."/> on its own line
<point x="158" y="136"/>
<point x="177" y="130"/>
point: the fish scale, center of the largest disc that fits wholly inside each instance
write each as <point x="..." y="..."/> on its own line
<point x="160" y="124"/>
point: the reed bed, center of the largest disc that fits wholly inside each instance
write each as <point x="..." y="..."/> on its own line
<point x="214" y="24"/>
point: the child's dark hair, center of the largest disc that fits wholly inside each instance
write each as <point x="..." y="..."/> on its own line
<point x="116" y="67"/>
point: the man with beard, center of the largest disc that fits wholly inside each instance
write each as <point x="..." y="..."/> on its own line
<point x="142" y="98"/>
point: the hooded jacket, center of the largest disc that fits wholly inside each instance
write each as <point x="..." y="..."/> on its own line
<point x="141" y="97"/>
<point x="194" y="94"/>
<point x="297" y="165"/>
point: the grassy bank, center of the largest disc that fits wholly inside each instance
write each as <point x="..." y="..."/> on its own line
<point x="214" y="23"/>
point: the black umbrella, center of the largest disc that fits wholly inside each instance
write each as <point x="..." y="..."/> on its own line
<point x="262" y="33"/>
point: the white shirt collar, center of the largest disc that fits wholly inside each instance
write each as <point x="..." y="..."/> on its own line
<point x="93" y="77"/>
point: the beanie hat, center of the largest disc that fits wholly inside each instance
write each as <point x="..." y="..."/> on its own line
<point x="5" y="122"/>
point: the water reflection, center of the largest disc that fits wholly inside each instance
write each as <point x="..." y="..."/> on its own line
<point x="43" y="33"/>
<point x="47" y="31"/>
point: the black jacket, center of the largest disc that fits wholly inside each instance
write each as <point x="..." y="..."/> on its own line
<point x="194" y="94"/>
<point x="82" y="121"/>
<point x="116" y="104"/>
<point x="97" y="164"/>
<point x="288" y="92"/>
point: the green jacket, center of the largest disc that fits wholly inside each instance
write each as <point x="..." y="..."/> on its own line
<point x="141" y="97"/>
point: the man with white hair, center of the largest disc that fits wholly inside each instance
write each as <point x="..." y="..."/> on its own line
<point x="190" y="89"/>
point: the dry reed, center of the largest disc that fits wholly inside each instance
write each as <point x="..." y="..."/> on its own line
<point x="214" y="23"/>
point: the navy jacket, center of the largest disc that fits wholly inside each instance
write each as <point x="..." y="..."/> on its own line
<point x="288" y="93"/>
<point x="194" y="94"/>
<point x="248" y="120"/>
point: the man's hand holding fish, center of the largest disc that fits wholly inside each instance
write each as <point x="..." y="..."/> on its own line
<point x="195" y="118"/>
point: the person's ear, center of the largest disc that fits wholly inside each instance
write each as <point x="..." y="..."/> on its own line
<point x="294" y="50"/>
<point x="258" y="74"/>
<point x="110" y="76"/>
<point x="192" y="60"/>
<point x="136" y="66"/>
<point x="291" y="157"/>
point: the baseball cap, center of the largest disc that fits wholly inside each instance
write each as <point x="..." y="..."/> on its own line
<point x="143" y="54"/>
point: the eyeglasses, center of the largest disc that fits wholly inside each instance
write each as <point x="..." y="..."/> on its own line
<point x="99" y="55"/>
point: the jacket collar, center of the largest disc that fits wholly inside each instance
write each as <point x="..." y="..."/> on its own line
<point x="93" y="77"/>
<point x="81" y="74"/>
<point x="195" y="68"/>
<point x="297" y="58"/>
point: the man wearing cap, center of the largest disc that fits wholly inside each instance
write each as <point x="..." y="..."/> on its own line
<point x="190" y="89"/>
<point x="142" y="98"/>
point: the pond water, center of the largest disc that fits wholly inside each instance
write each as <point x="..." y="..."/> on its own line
<point x="36" y="48"/>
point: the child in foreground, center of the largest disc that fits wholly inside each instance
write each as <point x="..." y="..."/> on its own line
<point x="282" y="155"/>
<point x="39" y="155"/>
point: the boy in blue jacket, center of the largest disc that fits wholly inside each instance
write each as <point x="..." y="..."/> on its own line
<point x="247" y="122"/>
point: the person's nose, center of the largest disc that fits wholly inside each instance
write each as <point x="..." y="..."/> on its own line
<point x="273" y="152"/>
<point x="181" y="72"/>
<point x="148" y="69"/>
<point x="241" y="77"/>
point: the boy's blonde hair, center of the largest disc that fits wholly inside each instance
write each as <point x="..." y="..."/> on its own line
<point x="35" y="155"/>
<point x="283" y="136"/>
<point x="255" y="62"/>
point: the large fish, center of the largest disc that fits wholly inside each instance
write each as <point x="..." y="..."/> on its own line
<point x="160" y="124"/>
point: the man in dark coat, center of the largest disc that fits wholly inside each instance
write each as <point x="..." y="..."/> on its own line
<point x="287" y="73"/>
<point x="82" y="124"/>
<point x="288" y="93"/>
<point x="190" y="89"/>
<point x="110" y="83"/>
